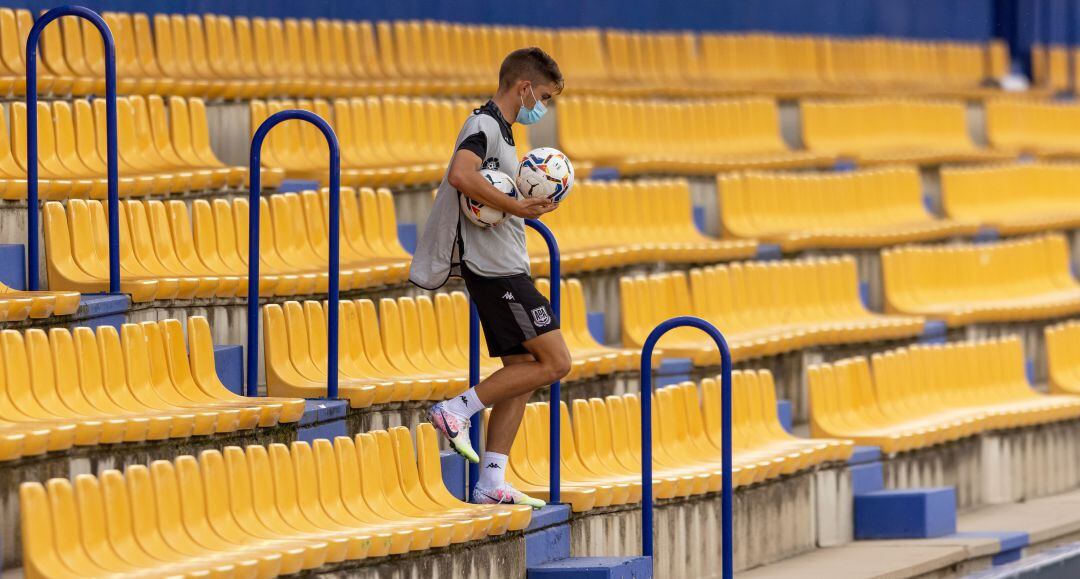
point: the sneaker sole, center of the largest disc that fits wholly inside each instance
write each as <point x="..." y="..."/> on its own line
<point x="453" y="447"/>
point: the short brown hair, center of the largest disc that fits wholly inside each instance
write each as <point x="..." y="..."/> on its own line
<point x="532" y="64"/>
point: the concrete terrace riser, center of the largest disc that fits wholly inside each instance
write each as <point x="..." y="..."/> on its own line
<point x="98" y="459"/>
<point x="500" y="557"/>
<point x="1000" y="467"/>
<point x="788" y="511"/>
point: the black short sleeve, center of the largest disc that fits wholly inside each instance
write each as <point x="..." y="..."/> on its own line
<point x="477" y="143"/>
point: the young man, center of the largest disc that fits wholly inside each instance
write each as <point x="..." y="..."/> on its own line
<point x="517" y="320"/>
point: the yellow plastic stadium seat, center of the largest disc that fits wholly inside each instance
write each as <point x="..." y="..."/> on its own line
<point x="1061" y="350"/>
<point x="891" y="131"/>
<point x="255" y="512"/>
<point x="372" y="153"/>
<point x="867" y="208"/>
<point x="607" y="224"/>
<point x="583" y="346"/>
<point x="923" y="395"/>
<point x="163" y="149"/>
<point x="1039" y="128"/>
<point x="73" y="261"/>
<point x="403" y="349"/>
<point x="18" y="305"/>
<point x="86" y="388"/>
<point x="168" y="251"/>
<point x="601" y="454"/>
<point x="763" y="308"/>
<point x="1050" y="67"/>
<point x="689" y="137"/>
<point x="988" y="194"/>
<point x="1027" y="279"/>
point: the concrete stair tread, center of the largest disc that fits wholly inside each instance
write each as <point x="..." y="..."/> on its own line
<point x="1043" y="519"/>
<point x="864" y="560"/>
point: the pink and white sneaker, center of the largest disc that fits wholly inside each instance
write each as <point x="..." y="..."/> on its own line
<point x="504" y="495"/>
<point x="455" y="429"/>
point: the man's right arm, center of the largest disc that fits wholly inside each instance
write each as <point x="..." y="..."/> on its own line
<point x="464" y="175"/>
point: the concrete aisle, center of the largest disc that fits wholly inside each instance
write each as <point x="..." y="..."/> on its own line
<point x="1047" y="521"/>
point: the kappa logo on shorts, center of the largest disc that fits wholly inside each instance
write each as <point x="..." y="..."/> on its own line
<point x="508" y="296"/>
<point x="540" y="317"/>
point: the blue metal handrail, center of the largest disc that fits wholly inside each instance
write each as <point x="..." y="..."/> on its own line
<point x="32" y="40"/>
<point x="646" y="434"/>
<point x="554" y="448"/>
<point x="334" y="233"/>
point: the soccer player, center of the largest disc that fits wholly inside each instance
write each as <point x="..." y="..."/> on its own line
<point x="517" y="320"/>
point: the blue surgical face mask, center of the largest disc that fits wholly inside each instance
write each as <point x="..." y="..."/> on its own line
<point x="528" y="116"/>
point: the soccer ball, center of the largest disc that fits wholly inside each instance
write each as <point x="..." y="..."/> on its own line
<point x="481" y="214"/>
<point x="546" y="173"/>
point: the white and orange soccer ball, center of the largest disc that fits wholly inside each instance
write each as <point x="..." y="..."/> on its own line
<point x="546" y="173"/>
<point x="481" y="214"/>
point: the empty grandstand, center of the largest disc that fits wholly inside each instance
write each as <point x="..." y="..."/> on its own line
<point x="765" y="289"/>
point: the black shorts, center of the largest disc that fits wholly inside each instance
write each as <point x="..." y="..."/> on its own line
<point x="511" y="311"/>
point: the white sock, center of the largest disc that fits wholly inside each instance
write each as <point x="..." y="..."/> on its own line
<point x="464" y="405"/>
<point x="492" y="470"/>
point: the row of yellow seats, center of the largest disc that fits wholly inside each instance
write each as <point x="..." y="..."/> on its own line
<point x="590" y="357"/>
<point x="1063" y="357"/>
<point x="892" y="131"/>
<point x="411" y="349"/>
<point x="1014" y="199"/>
<point x="697" y="136"/>
<point x="170" y="251"/>
<point x="1026" y="279"/>
<point x="764" y="308"/>
<point x="84" y="74"/>
<point x="924" y="395"/>
<point x="19" y="305"/>
<point x="809" y="64"/>
<point x="163" y="148"/>
<point x="1044" y="128"/>
<point x="607" y="224"/>
<point x="239" y="57"/>
<point x="87" y="387"/>
<point x="1050" y="67"/>
<point x="219" y="56"/>
<point x="866" y="208"/>
<point x="600" y="447"/>
<point x="384" y="140"/>
<point x="259" y="512"/>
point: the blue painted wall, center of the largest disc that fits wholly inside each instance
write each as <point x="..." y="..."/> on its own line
<point x="960" y="19"/>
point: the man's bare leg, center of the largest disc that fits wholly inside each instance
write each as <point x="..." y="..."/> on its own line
<point x="548" y="361"/>
<point x="506" y="414"/>
<point x="508" y="409"/>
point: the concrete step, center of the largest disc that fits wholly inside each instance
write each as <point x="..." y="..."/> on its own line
<point x="993" y="535"/>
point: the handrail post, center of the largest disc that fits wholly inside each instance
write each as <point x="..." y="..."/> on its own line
<point x="334" y="233"/>
<point x="554" y="448"/>
<point x="727" y="572"/>
<point x="474" y="379"/>
<point x="555" y="414"/>
<point x="32" y="227"/>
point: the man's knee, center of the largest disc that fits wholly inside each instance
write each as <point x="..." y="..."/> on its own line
<point x="557" y="365"/>
<point x="551" y="353"/>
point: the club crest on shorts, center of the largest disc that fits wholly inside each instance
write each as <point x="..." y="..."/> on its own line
<point x="540" y="316"/>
